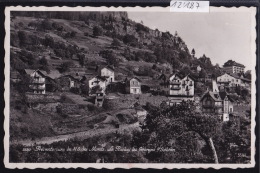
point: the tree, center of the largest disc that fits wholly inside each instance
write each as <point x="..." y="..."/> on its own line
<point x="23" y="37"/>
<point x="97" y="31"/>
<point x="113" y="60"/>
<point x="64" y="67"/>
<point x="46" y="24"/>
<point x="82" y="59"/>
<point x="115" y="43"/>
<point x="130" y="40"/>
<point x="167" y="123"/>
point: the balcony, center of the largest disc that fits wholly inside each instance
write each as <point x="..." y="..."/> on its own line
<point x="38" y="81"/>
<point x="38" y="87"/>
<point x="175" y="88"/>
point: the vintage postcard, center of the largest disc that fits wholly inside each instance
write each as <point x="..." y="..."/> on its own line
<point x="129" y="88"/>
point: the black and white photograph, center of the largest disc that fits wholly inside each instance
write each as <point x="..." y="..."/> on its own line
<point x="129" y="87"/>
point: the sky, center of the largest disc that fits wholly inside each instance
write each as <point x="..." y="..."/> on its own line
<point x="220" y="36"/>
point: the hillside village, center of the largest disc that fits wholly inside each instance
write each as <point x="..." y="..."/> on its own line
<point x="99" y="72"/>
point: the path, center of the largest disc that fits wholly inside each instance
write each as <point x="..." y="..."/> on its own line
<point x="80" y="135"/>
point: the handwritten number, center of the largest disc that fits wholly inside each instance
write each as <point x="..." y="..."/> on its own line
<point x="198" y="5"/>
<point x="174" y="4"/>
<point x="192" y="5"/>
<point x="179" y="5"/>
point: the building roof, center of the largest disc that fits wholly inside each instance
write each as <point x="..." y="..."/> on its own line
<point x="30" y="71"/>
<point x="230" y="63"/>
<point x="109" y="68"/>
<point x="135" y="78"/>
<point x="214" y="95"/>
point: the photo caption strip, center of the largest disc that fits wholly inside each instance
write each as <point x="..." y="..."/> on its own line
<point x="189" y="6"/>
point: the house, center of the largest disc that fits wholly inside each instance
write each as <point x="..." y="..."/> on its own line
<point x="97" y="81"/>
<point x="133" y="86"/>
<point x="109" y="73"/>
<point x="232" y="79"/>
<point x="233" y="67"/>
<point x="218" y="103"/>
<point x="37" y="84"/>
<point x="180" y="88"/>
<point x="68" y="82"/>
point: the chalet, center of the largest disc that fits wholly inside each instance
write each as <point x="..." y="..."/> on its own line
<point x="233" y="67"/>
<point x="180" y="88"/>
<point x="109" y="73"/>
<point x="218" y="103"/>
<point x="133" y="86"/>
<point x="37" y="84"/>
<point x="68" y="82"/>
<point x="232" y="80"/>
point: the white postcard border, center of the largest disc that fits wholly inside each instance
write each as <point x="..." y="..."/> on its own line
<point x="252" y="10"/>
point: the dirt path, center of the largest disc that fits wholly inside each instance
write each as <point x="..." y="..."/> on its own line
<point x="80" y="135"/>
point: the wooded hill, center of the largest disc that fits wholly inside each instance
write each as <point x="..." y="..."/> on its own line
<point x="89" y="38"/>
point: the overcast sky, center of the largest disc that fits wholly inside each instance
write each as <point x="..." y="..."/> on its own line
<point x="220" y="36"/>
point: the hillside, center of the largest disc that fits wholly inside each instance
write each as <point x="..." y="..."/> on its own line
<point x="60" y="38"/>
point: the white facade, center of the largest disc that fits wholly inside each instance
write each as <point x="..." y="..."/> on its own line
<point x="181" y="87"/>
<point x="228" y="78"/>
<point x="95" y="81"/>
<point x="234" y="69"/>
<point x="109" y="73"/>
<point x="135" y="86"/>
<point x="38" y="82"/>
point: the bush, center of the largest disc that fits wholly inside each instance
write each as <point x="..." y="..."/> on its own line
<point x="91" y="107"/>
<point x="97" y="31"/>
<point x="130" y="40"/>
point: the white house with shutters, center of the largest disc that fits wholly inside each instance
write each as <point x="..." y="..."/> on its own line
<point x="181" y="88"/>
<point x="37" y="83"/>
<point x="109" y="73"/>
<point x="133" y="86"/>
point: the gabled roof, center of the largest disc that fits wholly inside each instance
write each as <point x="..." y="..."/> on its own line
<point x="135" y="78"/>
<point x="224" y="94"/>
<point x="231" y="74"/>
<point x="190" y="77"/>
<point x="30" y="71"/>
<point x="109" y="68"/>
<point x="176" y="74"/>
<point x="214" y="95"/>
